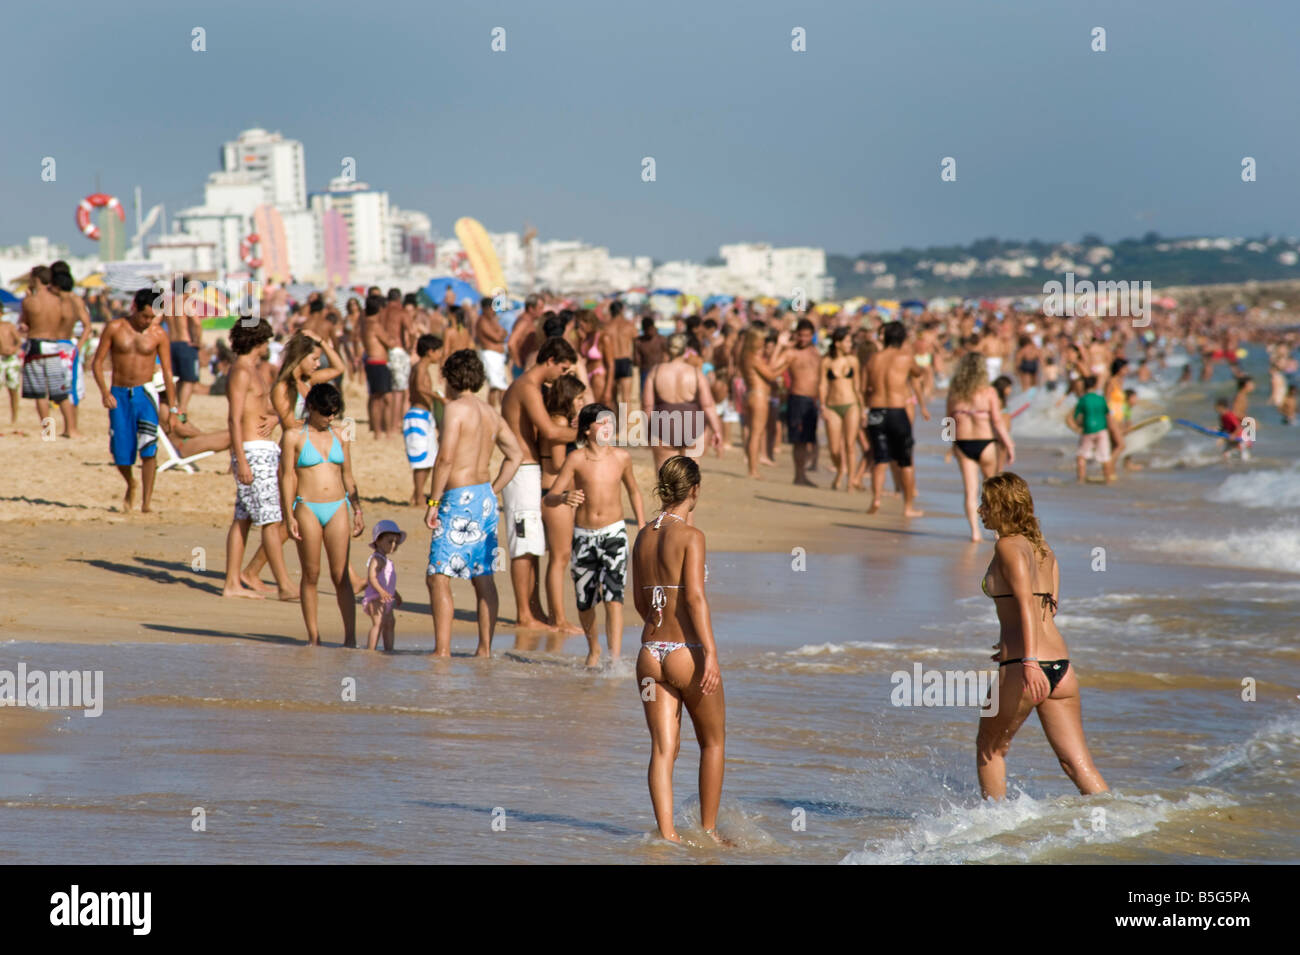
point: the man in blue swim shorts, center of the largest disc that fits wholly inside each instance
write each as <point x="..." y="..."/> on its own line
<point x="135" y="344"/>
<point x="462" y="506"/>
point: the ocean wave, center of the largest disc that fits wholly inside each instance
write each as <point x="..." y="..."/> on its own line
<point x="1272" y="751"/>
<point x="1276" y="547"/>
<point x="1023" y="829"/>
<point x="1272" y="489"/>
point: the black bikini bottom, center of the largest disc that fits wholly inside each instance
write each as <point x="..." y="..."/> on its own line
<point x="972" y="448"/>
<point x="1053" y="669"/>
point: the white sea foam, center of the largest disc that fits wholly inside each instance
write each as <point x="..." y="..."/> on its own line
<point x="1275" y="547"/>
<point x="1023" y="829"/>
<point x="1272" y="751"/>
<point x="1271" y="489"/>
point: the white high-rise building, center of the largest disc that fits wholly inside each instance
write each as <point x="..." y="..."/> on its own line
<point x="366" y="212"/>
<point x="278" y="163"/>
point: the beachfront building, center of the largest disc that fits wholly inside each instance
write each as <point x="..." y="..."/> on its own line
<point x="410" y="234"/>
<point x="755" y="268"/>
<point x="279" y="165"/>
<point x="18" y="260"/>
<point x="223" y="220"/>
<point x="367" y="214"/>
<point x="184" y="253"/>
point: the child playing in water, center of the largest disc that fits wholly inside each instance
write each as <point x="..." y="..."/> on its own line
<point x="381" y="597"/>
<point x="599" y="562"/>
<point x="1231" y="425"/>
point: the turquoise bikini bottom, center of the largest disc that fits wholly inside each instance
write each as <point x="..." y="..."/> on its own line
<point x="324" y="512"/>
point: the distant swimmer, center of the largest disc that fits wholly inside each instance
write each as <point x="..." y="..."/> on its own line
<point x="1024" y="582"/>
<point x="890" y="373"/>
<point x="976" y="413"/>
<point x="678" y="662"/>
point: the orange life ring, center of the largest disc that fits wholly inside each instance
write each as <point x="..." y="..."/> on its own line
<point x="246" y="250"/>
<point x="96" y="200"/>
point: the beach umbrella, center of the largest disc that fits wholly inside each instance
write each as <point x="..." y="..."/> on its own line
<point x="94" y="280"/>
<point x="913" y="303"/>
<point x="9" y="298"/>
<point x="718" y="300"/>
<point x="667" y="291"/>
<point x="464" y="292"/>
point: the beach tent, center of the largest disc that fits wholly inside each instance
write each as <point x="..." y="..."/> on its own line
<point x="9" y="298"/>
<point x="437" y="290"/>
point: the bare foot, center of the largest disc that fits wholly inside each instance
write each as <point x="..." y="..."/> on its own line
<point x="532" y="623"/>
<point x="242" y="592"/>
<point x="253" y="583"/>
<point x="128" y="499"/>
<point x="768" y="461"/>
<point x="913" y="512"/>
<point x="146" y="509"/>
<point x="481" y="652"/>
<point x="875" y="506"/>
<point x="713" y="834"/>
<point x="804" y="482"/>
<point x="671" y="837"/>
<point x="288" y="596"/>
<point x="72" y="434"/>
<point x="564" y="626"/>
<point x="350" y="644"/>
<point x="977" y="538"/>
<point x="755" y="475"/>
<point x="593" y="661"/>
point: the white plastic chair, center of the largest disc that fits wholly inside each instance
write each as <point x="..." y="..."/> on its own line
<point x="155" y="389"/>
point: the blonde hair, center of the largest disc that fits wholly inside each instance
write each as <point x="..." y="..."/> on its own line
<point x="1010" y="509"/>
<point x="753" y="341"/>
<point x="971" y="375"/>
<point x="676" y="345"/>
<point x="676" y="478"/>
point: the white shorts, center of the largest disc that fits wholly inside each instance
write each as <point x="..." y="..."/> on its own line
<point x="259" y="502"/>
<point x="522" y="501"/>
<point x="727" y="411"/>
<point x="399" y="365"/>
<point x="1095" y="447"/>
<point x="421" y="437"/>
<point x="494" y="364"/>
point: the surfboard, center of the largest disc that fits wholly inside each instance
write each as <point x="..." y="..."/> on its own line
<point x="334" y="233"/>
<point x="273" y="245"/>
<point x="1204" y="430"/>
<point x="488" y="276"/>
<point x="1146" y="433"/>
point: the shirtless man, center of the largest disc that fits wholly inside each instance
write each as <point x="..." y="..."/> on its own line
<point x="419" y="429"/>
<point x="256" y="462"/>
<point x="11" y="364"/>
<point x="375" y="342"/>
<point x="462" y="506"/>
<point x="490" y="339"/>
<point x="74" y="313"/>
<point x="622" y="335"/>
<point x="803" y="405"/>
<point x="397" y="323"/>
<point x="134" y="343"/>
<point x="1099" y="357"/>
<point x="185" y="330"/>
<point x="890" y="373"/>
<point x="45" y="377"/>
<point x="524" y="334"/>
<point x="526" y="414"/>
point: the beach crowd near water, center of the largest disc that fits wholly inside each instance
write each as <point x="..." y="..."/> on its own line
<point x="520" y="433"/>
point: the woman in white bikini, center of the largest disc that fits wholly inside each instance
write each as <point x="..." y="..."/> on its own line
<point x="678" y="661"/>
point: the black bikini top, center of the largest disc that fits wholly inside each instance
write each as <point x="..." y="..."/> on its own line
<point x="830" y="374"/>
<point x="1049" y="602"/>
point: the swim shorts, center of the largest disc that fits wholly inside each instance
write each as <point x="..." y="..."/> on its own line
<point x="379" y="380"/>
<point x="494" y="366"/>
<point x="132" y="426"/>
<point x="1095" y="446"/>
<point x="259" y="502"/>
<point x="622" y="368"/>
<point x="889" y="434"/>
<point x="11" y="372"/>
<point x="599" y="564"/>
<point x="44" y="373"/>
<point x="522" y="498"/>
<point x="801" y="418"/>
<point x="421" y="438"/>
<point x="71" y="356"/>
<point x="465" y="543"/>
<point x="185" y="361"/>
<point x="399" y="364"/>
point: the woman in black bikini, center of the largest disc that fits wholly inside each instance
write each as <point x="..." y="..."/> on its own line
<point x="1024" y="582"/>
<point x="841" y="405"/>
<point x="678" y="660"/>
<point x="976" y="419"/>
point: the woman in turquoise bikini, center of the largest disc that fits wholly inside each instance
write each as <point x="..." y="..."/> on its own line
<point x="325" y="505"/>
<point x="678" y="662"/>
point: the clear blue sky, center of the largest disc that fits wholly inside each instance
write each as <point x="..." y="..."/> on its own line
<point x="838" y="147"/>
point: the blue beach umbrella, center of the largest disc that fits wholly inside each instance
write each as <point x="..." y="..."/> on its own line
<point x="713" y="300"/>
<point x="437" y="289"/>
<point x="9" y="298"/>
<point x="666" y="291"/>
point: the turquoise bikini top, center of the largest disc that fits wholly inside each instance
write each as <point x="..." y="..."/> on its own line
<point x="309" y="457"/>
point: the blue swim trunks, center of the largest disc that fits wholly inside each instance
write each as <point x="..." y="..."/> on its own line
<point x="132" y="426"/>
<point x="465" y="543"/>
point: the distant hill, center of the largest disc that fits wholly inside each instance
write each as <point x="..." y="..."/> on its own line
<point x="997" y="267"/>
